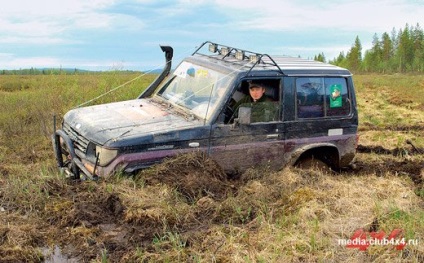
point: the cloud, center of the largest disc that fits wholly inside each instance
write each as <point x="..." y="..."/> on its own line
<point x="104" y="33"/>
<point x="35" y="40"/>
<point x="34" y="28"/>
<point x="361" y="15"/>
<point x="4" y="56"/>
<point x="52" y="20"/>
<point x="107" y="22"/>
<point x="54" y="8"/>
<point x="28" y="62"/>
<point x="14" y="62"/>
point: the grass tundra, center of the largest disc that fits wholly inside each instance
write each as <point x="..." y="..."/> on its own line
<point x="187" y="209"/>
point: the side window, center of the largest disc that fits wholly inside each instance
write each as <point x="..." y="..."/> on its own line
<point x="320" y="97"/>
<point x="310" y="94"/>
<point x="261" y="96"/>
<point x="338" y="103"/>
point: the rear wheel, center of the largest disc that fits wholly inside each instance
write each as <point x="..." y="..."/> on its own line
<point x="310" y="162"/>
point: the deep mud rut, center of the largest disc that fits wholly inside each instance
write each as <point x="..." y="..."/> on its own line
<point x="413" y="169"/>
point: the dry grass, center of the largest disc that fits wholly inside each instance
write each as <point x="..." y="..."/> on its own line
<point x="188" y="210"/>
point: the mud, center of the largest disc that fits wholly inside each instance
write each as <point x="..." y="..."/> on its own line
<point x="187" y="198"/>
<point x="193" y="175"/>
<point x="396" y="151"/>
<point x="413" y="128"/>
<point x="99" y="216"/>
<point x="413" y="169"/>
<point x="101" y="222"/>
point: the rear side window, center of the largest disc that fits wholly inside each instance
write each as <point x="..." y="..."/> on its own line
<point x="338" y="101"/>
<point x="320" y="97"/>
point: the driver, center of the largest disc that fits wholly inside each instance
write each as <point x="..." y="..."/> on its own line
<point x="263" y="108"/>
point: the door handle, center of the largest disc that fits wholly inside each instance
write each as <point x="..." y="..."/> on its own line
<point x="272" y="136"/>
<point x="194" y="144"/>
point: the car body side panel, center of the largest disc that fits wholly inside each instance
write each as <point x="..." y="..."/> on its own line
<point x="245" y="146"/>
<point x="131" y="162"/>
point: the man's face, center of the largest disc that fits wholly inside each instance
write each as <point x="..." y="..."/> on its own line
<point x="256" y="92"/>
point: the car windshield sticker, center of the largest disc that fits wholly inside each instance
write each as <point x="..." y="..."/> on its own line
<point x="203" y="73"/>
<point x="191" y="72"/>
<point x="335" y="96"/>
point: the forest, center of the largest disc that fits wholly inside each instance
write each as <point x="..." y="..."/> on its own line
<point x="401" y="51"/>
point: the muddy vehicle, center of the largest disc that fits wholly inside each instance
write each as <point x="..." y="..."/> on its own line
<point x="310" y="113"/>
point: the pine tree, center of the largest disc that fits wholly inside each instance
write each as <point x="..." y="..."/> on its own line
<point x="320" y="57"/>
<point x="404" y="54"/>
<point x="372" y="58"/>
<point x="386" y="52"/>
<point x="354" y="56"/>
<point x="401" y="51"/>
<point x="418" y="48"/>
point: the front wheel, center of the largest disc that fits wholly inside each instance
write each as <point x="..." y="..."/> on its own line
<point x="64" y="157"/>
<point x="71" y="169"/>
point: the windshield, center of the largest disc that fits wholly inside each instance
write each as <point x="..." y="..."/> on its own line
<point x="197" y="89"/>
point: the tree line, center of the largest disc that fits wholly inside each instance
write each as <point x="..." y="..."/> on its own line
<point x="400" y="51"/>
<point x="44" y="71"/>
<point x="56" y="71"/>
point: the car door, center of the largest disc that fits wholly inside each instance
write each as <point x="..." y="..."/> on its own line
<point x="248" y="145"/>
<point x="237" y="146"/>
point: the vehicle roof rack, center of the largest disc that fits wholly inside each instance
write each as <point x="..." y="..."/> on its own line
<point x="239" y="54"/>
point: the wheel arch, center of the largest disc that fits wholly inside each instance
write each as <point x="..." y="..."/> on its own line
<point x="327" y="153"/>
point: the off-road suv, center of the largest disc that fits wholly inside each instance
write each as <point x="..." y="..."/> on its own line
<point x="313" y="114"/>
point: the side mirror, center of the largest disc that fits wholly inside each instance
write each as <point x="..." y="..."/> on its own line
<point x="244" y="114"/>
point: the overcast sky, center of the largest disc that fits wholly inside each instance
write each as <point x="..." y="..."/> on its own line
<point x="126" y="34"/>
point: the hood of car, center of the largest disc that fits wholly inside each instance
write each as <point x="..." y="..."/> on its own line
<point x="126" y="123"/>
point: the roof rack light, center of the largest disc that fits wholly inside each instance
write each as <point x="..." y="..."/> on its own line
<point x="253" y="58"/>
<point x="239" y="55"/>
<point x="213" y="48"/>
<point x="224" y="51"/>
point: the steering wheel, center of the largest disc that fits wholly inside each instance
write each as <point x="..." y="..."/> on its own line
<point x="188" y="97"/>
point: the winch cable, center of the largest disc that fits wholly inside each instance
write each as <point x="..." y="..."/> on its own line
<point x="114" y="89"/>
<point x="180" y="57"/>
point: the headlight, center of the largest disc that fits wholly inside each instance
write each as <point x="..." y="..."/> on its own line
<point x="105" y="155"/>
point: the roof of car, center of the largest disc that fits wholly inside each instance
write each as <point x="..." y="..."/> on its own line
<point x="283" y="65"/>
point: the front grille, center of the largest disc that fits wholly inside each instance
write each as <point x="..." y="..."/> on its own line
<point x="80" y="143"/>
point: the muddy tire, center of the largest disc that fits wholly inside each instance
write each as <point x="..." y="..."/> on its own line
<point x="312" y="163"/>
<point x="66" y="163"/>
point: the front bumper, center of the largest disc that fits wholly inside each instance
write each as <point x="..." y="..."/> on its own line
<point x="66" y="159"/>
<point x="73" y="166"/>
